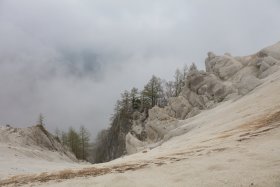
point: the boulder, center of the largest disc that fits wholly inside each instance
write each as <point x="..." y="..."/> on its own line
<point x="133" y="145"/>
<point x="179" y="107"/>
<point x="223" y="66"/>
<point x="225" y="78"/>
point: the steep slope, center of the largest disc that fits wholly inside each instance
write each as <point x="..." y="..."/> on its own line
<point x="225" y="78"/>
<point x="28" y="149"/>
<point x="235" y="142"/>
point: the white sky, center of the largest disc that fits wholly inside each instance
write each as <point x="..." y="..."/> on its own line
<point x="71" y="59"/>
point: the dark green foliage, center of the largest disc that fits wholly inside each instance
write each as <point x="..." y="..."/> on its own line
<point x="110" y="143"/>
<point x="74" y="141"/>
<point x="135" y="99"/>
<point x="153" y="91"/>
<point x="84" y="138"/>
<point x="77" y="142"/>
<point x="40" y="120"/>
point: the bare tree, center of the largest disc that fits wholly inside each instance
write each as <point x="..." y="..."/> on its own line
<point x="169" y="89"/>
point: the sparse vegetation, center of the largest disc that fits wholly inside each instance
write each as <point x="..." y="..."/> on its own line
<point x="110" y="143"/>
<point x="77" y="141"/>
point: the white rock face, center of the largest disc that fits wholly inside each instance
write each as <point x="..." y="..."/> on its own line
<point x="226" y="77"/>
<point x="133" y="145"/>
<point x="234" y="144"/>
<point x="222" y="66"/>
<point x="158" y="124"/>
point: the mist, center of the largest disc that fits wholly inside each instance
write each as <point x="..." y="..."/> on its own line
<point x="70" y="59"/>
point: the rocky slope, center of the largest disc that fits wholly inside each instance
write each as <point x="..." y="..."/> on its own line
<point x="232" y="138"/>
<point x="233" y="144"/>
<point x="30" y="149"/>
<point x="226" y="78"/>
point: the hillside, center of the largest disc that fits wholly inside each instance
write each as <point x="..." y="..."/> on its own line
<point x="223" y="130"/>
<point x="226" y="78"/>
<point x="150" y="117"/>
<point x="31" y="149"/>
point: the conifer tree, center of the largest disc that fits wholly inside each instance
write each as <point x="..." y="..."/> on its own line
<point x="153" y="91"/>
<point x="84" y="138"/>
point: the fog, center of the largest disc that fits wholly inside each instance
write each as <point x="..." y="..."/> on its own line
<point x="71" y="59"/>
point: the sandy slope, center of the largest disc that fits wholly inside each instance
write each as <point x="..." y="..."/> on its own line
<point x="31" y="150"/>
<point x="234" y="144"/>
<point x="19" y="160"/>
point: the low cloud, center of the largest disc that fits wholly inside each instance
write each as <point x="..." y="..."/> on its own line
<point x="70" y="59"/>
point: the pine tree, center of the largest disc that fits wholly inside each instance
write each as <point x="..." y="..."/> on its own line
<point x="169" y="89"/>
<point x="153" y="91"/>
<point x="64" y="138"/>
<point x="40" y="120"/>
<point x="135" y="99"/>
<point x="74" y="142"/>
<point x="125" y="102"/>
<point x="178" y="82"/>
<point x="84" y="138"/>
<point x="193" y="68"/>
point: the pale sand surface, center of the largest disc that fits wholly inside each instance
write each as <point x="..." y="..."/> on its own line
<point x="235" y="144"/>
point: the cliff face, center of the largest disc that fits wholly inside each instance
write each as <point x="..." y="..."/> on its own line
<point x="225" y="78"/>
<point x="237" y="139"/>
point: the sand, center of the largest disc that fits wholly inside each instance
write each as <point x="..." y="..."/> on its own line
<point x="235" y="144"/>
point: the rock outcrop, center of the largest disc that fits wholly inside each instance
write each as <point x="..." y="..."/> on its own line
<point x="226" y="77"/>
